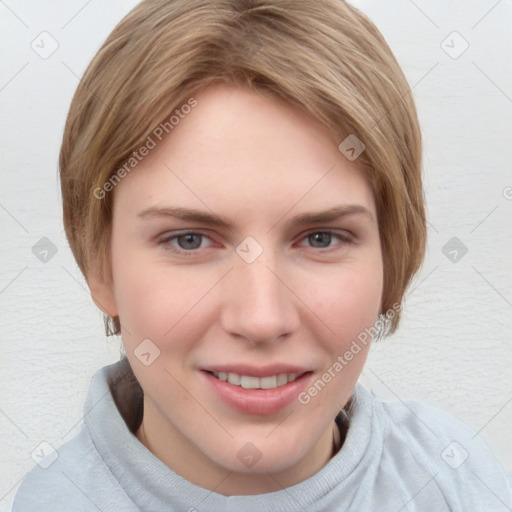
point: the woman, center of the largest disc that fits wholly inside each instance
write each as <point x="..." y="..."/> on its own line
<point x="242" y="190"/>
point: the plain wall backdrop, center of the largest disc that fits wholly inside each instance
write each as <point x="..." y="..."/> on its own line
<point x="452" y="349"/>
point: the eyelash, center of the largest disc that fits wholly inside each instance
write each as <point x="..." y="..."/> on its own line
<point x="344" y="238"/>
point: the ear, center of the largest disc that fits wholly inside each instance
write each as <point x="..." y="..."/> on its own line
<point x="102" y="291"/>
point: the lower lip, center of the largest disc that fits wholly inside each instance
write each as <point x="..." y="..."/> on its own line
<point x="258" y="401"/>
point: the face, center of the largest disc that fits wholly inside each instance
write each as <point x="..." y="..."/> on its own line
<point x="244" y="244"/>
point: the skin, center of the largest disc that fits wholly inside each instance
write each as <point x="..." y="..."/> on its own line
<point x="257" y="162"/>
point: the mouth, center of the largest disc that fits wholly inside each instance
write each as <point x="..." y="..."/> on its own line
<point x="251" y="382"/>
<point x="261" y="395"/>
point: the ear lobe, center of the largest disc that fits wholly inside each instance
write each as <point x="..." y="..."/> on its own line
<point x="102" y="292"/>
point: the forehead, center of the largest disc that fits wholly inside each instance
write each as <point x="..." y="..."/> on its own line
<point x="242" y="150"/>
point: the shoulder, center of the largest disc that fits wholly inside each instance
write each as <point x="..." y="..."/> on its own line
<point x="77" y="476"/>
<point x="73" y="477"/>
<point x="48" y="480"/>
<point x="54" y="483"/>
<point x="435" y="428"/>
<point x="458" y="460"/>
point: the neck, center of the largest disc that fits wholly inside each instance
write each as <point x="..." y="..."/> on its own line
<point x="186" y="460"/>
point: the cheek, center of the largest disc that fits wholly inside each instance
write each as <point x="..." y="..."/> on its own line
<point x="156" y="300"/>
<point x="348" y="306"/>
<point x="141" y="291"/>
<point x="349" y="299"/>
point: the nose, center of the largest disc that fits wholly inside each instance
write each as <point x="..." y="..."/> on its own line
<point x="258" y="303"/>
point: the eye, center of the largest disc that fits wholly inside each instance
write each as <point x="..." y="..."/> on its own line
<point x="324" y="239"/>
<point x="320" y="239"/>
<point x="186" y="241"/>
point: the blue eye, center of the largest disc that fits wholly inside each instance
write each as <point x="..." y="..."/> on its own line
<point x="326" y="239"/>
<point x="187" y="241"/>
<point x="320" y="239"/>
<point x="190" y="242"/>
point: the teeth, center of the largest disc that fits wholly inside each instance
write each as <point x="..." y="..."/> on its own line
<point x="282" y="379"/>
<point x="268" y="382"/>
<point x="248" y="382"/>
<point x="233" y="378"/>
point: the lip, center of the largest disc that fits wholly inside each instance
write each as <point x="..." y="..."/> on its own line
<point x="257" y="401"/>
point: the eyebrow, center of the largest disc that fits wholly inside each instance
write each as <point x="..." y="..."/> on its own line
<point x="203" y="217"/>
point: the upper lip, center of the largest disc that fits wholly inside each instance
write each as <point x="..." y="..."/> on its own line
<point x="253" y="371"/>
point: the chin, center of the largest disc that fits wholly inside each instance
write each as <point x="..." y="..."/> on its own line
<point x="260" y="456"/>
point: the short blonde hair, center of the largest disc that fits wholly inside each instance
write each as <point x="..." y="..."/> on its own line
<point x="323" y="56"/>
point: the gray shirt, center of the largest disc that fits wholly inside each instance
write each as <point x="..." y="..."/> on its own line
<point x="397" y="456"/>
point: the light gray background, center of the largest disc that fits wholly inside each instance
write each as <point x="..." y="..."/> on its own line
<point x="453" y="347"/>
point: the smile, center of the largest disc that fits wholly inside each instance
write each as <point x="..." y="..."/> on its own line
<point x="250" y="382"/>
<point x="267" y="394"/>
